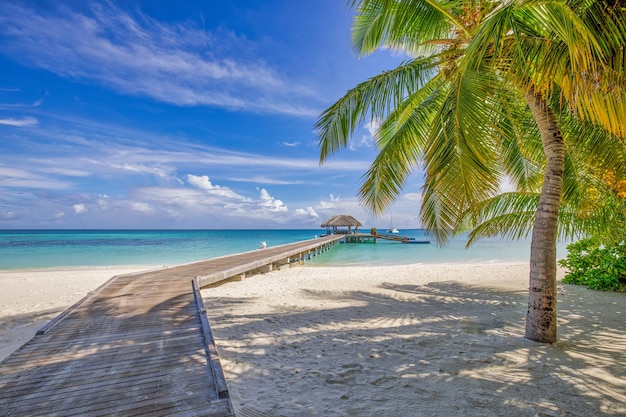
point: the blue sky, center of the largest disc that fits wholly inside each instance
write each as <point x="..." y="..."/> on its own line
<point x="186" y="114"/>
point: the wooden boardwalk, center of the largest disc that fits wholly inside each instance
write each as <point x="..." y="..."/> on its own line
<point x="138" y="345"/>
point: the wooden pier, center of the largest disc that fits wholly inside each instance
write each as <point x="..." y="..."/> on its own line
<point x="400" y="238"/>
<point x="370" y="238"/>
<point x="359" y="238"/>
<point x="138" y="345"/>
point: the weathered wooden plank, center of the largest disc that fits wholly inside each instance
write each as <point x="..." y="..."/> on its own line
<point x="133" y="397"/>
<point x="64" y="379"/>
<point x="118" y="376"/>
<point x="128" y="331"/>
<point x="215" y="410"/>
<point x="106" y="351"/>
<point x="83" y="378"/>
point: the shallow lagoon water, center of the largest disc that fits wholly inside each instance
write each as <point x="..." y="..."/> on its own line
<point x="33" y="249"/>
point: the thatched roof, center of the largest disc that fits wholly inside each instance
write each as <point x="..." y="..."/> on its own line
<point x="342" y="220"/>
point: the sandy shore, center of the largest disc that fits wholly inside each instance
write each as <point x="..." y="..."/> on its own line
<point x="30" y="299"/>
<point x="419" y="340"/>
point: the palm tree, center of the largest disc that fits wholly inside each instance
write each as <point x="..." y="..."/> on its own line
<point x="496" y="91"/>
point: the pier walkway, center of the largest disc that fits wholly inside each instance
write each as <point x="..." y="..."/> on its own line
<point x="370" y="238"/>
<point x="138" y="345"/>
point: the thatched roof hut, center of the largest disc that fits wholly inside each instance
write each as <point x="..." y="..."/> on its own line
<point x="341" y="220"/>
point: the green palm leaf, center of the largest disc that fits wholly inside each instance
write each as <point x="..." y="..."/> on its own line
<point x="374" y="98"/>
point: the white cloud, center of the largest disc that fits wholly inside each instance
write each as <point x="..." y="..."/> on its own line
<point x="328" y="204"/>
<point x="103" y="201"/>
<point x="140" y="168"/>
<point x="325" y="205"/>
<point x="145" y="152"/>
<point x="20" y="178"/>
<point x="336" y="205"/>
<point x="57" y="170"/>
<point x="372" y="126"/>
<point x="270" y="203"/>
<point x="274" y="181"/>
<point x="507" y="186"/>
<point x="413" y="196"/>
<point x="308" y="212"/>
<point x="141" y="207"/>
<point x="36" y="103"/>
<point x="367" y="140"/>
<point x="7" y="214"/>
<point x="177" y="197"/>
<point x="79" y="208"/>
<point x="204" y="183"/>
<point x="291" y="144"/>
<point x="23" y="122"/>
<point x="196" y="206"/>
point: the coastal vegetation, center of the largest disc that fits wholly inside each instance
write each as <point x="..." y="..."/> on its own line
<point x="596" y="264"/>
<point x="599" y="260"/>
<point x="521" y="95"/>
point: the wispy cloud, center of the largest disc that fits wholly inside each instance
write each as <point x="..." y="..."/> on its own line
<point x="179" y="64"/>
<point x="120" y="160"/>
<point x="36" y="103"/>
<point x="141" y="168"/>
<point x="14" y="178"/>
<point x="23" y="122"/>
<point x="114" y="148"/>
<point x="366" y="140"/>
<point x="273" y="181"/>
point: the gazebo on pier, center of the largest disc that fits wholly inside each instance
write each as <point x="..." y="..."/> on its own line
<point x="333" y="224"/>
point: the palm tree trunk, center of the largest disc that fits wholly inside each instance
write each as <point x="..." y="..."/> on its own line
<point x="541" y="315"/>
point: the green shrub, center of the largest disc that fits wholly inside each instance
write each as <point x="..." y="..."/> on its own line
<point x="596" y="265"/>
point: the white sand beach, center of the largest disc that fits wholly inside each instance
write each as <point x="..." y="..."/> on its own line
<point x="419" y="340"/>
<point x="416" y="340"/>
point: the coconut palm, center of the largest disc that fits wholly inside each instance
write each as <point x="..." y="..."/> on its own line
<point x="496" y="91"/>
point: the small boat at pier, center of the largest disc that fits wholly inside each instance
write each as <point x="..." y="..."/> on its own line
<point x="417" y="241"/>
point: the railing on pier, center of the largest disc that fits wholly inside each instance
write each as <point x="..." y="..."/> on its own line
<point x="391" y="236"/>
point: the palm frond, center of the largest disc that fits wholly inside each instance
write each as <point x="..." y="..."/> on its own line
<point x="401" y="139"/>
<point x="375" y="98"/>
<point x="560" y="50"/>
<point x="521" y="150"/>
<point x="461" y="152"/>
<point x="409" y="25"/>
<point x="509" y="215"/>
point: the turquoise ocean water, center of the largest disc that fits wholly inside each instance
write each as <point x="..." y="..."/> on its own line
<point x="36" y="249"/>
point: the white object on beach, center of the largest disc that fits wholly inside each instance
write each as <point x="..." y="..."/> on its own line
<point x="263" y="245"/>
